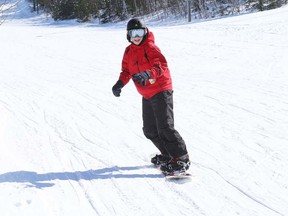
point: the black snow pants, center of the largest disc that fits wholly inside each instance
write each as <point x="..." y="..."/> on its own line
<point x="158" y="124"/>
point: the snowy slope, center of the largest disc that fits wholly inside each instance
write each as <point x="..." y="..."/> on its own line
<point x="69" y="147"/>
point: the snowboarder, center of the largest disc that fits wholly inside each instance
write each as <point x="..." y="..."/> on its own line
<point x="148" y="68"/>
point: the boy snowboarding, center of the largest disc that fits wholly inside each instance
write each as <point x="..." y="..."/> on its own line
<point x="144" y="63"/>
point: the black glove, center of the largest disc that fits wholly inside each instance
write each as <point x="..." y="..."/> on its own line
<point x="116" y="89"/>
<point x="142" y="77"/>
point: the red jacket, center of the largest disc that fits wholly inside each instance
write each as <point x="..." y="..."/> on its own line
<point x="146" y="57"/>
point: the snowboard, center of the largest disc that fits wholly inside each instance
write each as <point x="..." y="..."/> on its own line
<point x="177" y="176"/>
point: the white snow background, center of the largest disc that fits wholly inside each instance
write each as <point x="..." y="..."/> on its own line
<point x="69" y="147"/>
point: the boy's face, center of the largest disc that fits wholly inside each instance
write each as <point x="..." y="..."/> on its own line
<point x="136" y="40"/>
<point x="136" y="35"/>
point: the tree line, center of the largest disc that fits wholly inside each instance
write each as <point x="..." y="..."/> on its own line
<point x="116" y="10"/>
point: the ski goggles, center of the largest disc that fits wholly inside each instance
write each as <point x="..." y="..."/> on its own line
<point x="136" y="33"/>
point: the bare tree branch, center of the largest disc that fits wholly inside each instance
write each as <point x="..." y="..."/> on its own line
<point x="5" y="6"/>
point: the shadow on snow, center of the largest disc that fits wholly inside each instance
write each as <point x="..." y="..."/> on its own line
<point x="44" y="180"/>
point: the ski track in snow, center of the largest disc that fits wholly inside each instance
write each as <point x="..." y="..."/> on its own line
<point x="68" y="147"/>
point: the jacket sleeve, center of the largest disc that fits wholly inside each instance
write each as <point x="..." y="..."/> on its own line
<point x="125" y="74"/>
<point x="157" y="61"/>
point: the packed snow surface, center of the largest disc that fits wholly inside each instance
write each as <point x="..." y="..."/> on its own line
<point x="69" y="147"/>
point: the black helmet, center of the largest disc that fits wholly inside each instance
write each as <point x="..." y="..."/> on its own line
<point x="135" y="23"/>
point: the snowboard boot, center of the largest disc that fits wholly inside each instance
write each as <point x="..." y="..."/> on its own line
<point x="176" y="166"/>
<point x="160" y="159"/>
